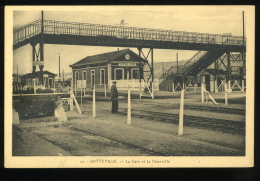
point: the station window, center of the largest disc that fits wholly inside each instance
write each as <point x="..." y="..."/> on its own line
<point x="102" y="76"/>
<point x="135" y="73"/>
<point x="84" y="75"/>
<point x="119" y="74"/>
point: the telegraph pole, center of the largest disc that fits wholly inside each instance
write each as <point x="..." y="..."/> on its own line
<point x="163" y="71"/>
<point x="17" y="74"/>
<point x="59" y="65"/>
<point x="177" y="63"/>
<point x="63" y="76"/>
<point x="243" y="49"/>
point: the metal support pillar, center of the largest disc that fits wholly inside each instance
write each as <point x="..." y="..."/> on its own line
<point x="243" y="51"/>
<point x="150" y="66"/>
<point x="140" y="91"/>
<point x="216" y="76"/>
<point x="33" y="56"/>
<point x="152" y="72"/>
<point x="41" y="50"/>
<point x="228" y="69"/>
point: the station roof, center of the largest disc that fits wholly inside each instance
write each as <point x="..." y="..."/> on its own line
<point x="37" y="74"/>
<point x="108" y="57"/>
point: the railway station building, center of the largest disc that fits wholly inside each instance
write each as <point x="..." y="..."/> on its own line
<point x="103" y="69"/>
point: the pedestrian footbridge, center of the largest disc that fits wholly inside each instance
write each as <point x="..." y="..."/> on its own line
<point x="71" y="33"/>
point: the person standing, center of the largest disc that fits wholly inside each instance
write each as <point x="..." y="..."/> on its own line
<point x="114" y="96"/>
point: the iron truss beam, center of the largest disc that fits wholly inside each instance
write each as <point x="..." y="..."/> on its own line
<point x="121" y="42"/>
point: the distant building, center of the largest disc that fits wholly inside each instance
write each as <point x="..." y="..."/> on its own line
<point x="48" y="79"/>
<point x="104" y="68"/>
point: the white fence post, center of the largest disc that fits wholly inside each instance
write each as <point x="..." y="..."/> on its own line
<point x="229" y="87"/>
<point x="202" y="92"/>
<point x="180" y="130"/>
<point x="243" y="86"/>
<point x="105" y="90"/>
<point x="94" y="101"/>
<point x="81" y="85"/>
<point x="129" y="107"/>
<point x="226" y="95"/>
<point x="34" y="87"/>
<point x="216" y="86"/>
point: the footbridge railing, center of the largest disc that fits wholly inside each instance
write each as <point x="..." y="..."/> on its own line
<point x="183" y="68"/>
<point x="86" y="29"/>
<point x="192" y="61"/>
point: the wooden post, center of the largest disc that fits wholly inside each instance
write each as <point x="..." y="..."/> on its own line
<point x="216" y="86"/>
<point x="226" y="96"/>
<point x="173" y="90"/>
<point x="202" y="92"/>
<point x="195" y="88"/>
<point x="71" y="98"/>
<point x="105" y="90"/>
<point x="94" y="101"/>
<point x="76" y="88"/>
<point x="229" y="87"/>
<point x="81" y="98"/>
<point x="129" y="107"/>
<point x="243" y="86"/>
<point x="76" y="102"/>
<point x="180" y="130"/>
<point x="140" y="90"/>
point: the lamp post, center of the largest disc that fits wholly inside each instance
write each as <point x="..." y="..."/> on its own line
<point x="59" y="65"/>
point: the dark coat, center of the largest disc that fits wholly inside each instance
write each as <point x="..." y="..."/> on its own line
<point x="114" y="92"/>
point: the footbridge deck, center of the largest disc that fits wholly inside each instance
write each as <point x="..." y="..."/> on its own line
<point x="57" y="32"/>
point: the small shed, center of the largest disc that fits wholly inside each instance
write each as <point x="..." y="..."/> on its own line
<point x="209" y="76"/>
<point x="124" y="66"/>
<point x="48" y="79"/>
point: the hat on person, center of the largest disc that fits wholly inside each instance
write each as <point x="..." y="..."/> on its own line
<point x="114" y="82"/>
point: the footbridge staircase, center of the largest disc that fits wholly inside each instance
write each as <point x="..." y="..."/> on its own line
<point x="198" y="62"/>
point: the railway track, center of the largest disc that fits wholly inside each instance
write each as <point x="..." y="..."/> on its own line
<point x="220" y="125"/>
<point x="68" y="147"/>
<point x="208" y="109"/>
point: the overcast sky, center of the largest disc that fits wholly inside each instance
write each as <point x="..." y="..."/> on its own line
<point x="197" y="19"/>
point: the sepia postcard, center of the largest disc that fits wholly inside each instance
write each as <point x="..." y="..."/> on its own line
<point x="129" y="86"/>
